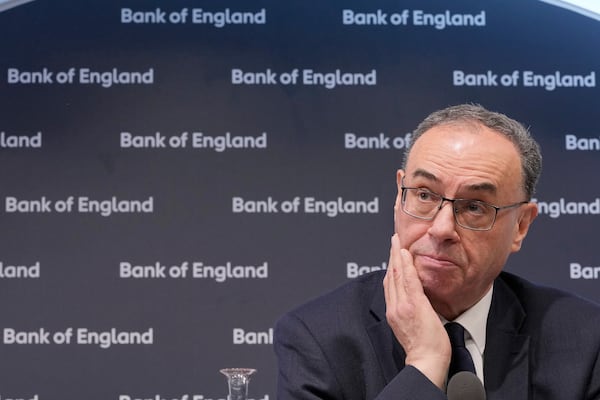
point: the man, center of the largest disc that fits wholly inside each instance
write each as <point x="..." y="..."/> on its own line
<point x="463" y="206"/>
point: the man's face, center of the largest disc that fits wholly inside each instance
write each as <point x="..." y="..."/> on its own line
<point x="457" y="265"/>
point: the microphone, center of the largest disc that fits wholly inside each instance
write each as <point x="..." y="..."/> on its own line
<point x="465" y="385"/>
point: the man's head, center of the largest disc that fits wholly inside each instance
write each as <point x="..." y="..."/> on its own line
<point x="465" y="152"/>
<point x="528" y="148"/>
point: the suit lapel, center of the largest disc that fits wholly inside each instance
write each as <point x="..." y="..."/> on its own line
<point x="506" y="357"/>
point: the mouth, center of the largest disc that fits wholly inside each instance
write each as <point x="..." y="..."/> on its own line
<point x="436" y="261"/>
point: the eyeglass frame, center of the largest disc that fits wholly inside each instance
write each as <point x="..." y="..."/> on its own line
<point x="454" y="210"/>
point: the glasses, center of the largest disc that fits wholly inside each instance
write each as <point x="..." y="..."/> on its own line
<point x="470" y="214"/>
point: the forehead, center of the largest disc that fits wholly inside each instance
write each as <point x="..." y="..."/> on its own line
<point x="459" y="155"/>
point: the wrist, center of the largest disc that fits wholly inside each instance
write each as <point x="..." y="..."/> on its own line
<point x="434" y="368"/>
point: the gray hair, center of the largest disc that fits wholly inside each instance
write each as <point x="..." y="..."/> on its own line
<point x="529" y="150"/>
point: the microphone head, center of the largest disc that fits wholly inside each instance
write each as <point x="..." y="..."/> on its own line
<point x="465" y="385"/>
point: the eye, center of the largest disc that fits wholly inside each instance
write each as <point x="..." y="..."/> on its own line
<point x="473" y="207"/>
<point x="427" y="196"/>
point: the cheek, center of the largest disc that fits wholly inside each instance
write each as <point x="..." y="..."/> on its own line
<point x="409" y="231"/>
<point x="398" y="214"/>
<point x="487" y="254"/>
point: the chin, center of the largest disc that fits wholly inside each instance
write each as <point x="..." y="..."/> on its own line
<point x="441" y="286"/>
<point x="434" y="275"/>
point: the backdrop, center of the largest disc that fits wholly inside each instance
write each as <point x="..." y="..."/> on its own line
<point x="175" y="175"/>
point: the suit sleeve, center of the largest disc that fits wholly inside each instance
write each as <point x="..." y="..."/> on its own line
<point x="411" y="384"/>
<point x="303" y="369"/>
<point x="306" y="371"/>
<point x="593" y="390"/>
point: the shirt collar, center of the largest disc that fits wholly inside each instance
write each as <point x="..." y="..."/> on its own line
<point x="474" y="320"/>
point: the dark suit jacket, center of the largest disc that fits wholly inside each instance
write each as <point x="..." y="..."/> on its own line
<point x="541" y="344"/>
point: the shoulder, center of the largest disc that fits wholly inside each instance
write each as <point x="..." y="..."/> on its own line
<point x="347" y="303"/>
<point x="533" y="295"/>
<point x="551" y="307"/>
<point x="357" y="291"/>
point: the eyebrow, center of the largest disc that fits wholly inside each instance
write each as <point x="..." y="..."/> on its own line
<point x="425" y="174"/>
<point x="476" y="187"/>
<point x="483" y="187"/>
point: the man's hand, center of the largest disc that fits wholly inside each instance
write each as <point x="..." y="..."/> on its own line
<point x="412" y="318"/>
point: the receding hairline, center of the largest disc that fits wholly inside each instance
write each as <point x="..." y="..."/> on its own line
<point x="482" y="186"/>
<point x="472" y="127"/>
<point x="476" y="115"/>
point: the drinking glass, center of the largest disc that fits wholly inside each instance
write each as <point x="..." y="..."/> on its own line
<point x="237" y="380"/>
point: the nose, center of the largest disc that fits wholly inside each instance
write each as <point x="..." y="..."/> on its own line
<point x="443" y="225"/>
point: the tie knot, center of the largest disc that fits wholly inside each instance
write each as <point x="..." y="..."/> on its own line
<point x="456" y="333"/>
<point x="461" y="358"/>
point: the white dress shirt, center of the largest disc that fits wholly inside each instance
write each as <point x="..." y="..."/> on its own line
<point x="474" y="320"/>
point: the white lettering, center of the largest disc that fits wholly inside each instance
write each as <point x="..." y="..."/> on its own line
<point x="228" y="141"/>
<point x="107" y="79"/>
<point x="12" y="204"/>
<point x="579" y="272"/>
<point x="555" y="209"/>
<point x="239" y="205"/>
<point x="340" y="206"/>
<point x="14" y="76"/>
<point x="240" y="336"/>
<point x="558" y="79"/>
<point x="129" y="16"/>
<point x="203" y="397"/>
<point x="17" y="141"/>
<point x="35" y="397"/>
<point x="350" y="17"/>
<point x="362" y="142"/>
<point x="380" y="142"/>
<point x="108" y="207"/>
<point x="20" y="271"/>
<point x="330" y="80"/>
<point x="572" y="142"/>
<point x="112" y="337"/>
<point x="239" y="77"/>
<point x="446" y="19"/>
<point x="354" y="270"/>
<point x="460" y="78"/>
<point x="155" y="397"/>
<point x="219" y="19"/>
<point x="221" y="273"/>
<point x="127" y="270"/>
<point x="142" y="142"/>
<point x="12" y="336"/>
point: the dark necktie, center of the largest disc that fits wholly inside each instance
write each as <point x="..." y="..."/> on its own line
<point x="461" y="358"/>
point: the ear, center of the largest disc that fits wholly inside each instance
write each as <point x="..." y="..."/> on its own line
<point x="528" y="213"/>
<point x="399" y="176"/>
<point x="397" y="205"/>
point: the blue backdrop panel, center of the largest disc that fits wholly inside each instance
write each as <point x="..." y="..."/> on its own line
<point x="177" y="174"/>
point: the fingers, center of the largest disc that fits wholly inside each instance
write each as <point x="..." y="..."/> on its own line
<point x="412" y="283"/>
<point x="412" y="319"/>
<point x="401" y="280"/>
<point x="393" y="285"/>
